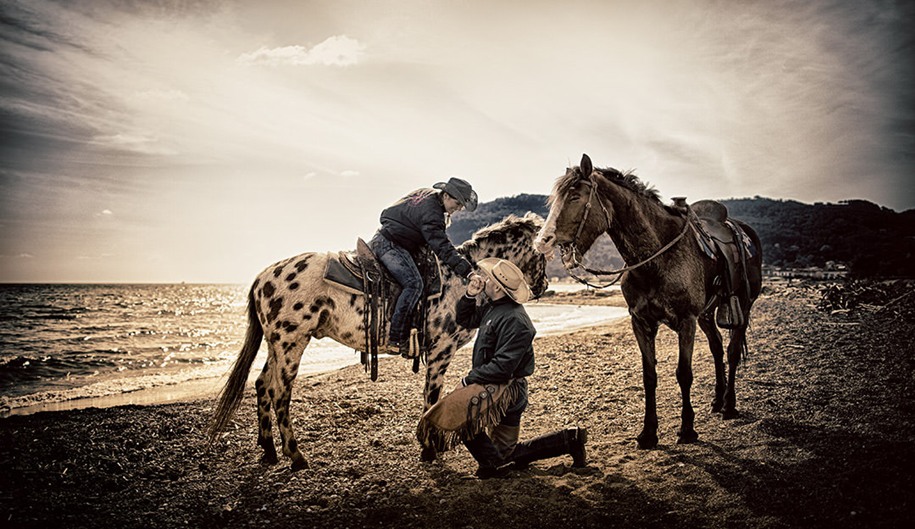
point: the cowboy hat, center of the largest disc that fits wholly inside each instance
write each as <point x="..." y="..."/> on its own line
<point x="508" y="277"/>
<point x="461" y="191"/>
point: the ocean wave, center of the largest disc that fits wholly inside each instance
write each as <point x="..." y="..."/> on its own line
<point x="129" y="338"/>
<point x="109" y="387"/>
<point x="23" y="374"/>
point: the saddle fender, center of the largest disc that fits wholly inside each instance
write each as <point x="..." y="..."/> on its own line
<point x="724" y="241"/>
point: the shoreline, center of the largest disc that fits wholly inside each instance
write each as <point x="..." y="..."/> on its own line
<point x="209" y="387"/>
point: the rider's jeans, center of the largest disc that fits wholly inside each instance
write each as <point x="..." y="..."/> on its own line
<point x="400" y="264"/>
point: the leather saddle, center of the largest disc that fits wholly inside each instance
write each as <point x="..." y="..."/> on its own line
<point x="348" y="271"/>
<point x="360" y="273"/>
<point x="725" y="242"/>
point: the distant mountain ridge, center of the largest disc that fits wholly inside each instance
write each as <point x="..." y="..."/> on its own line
<point x="872" y="241"/>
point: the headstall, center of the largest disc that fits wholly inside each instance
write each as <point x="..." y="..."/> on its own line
<point x="574" y="261"/>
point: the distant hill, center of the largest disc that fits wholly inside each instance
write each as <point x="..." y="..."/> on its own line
<point x="871" y="240"/>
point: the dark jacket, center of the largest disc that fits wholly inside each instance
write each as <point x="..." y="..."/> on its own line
<point x="504" y="348"/>
<point x="417" y="219"/>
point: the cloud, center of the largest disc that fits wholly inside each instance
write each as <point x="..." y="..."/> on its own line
<point x="338" y="50"/>
<point x="26" y="26"/>
<point x="104" y="213"/>
<point x="162" y="95"/>
<point x="134" y="143"/>
<point x="98" y="257"/>
<point x="349" y="173"/>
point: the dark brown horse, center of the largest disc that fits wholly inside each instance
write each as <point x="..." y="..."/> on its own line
<point x="670" y="280"/>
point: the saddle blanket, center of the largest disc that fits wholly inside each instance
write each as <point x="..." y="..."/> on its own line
<point x="341" y="277"/>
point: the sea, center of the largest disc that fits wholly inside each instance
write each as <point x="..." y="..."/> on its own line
<point x="93" y="345"/>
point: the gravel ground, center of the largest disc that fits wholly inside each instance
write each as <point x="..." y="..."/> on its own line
<point x="826" y="438"/>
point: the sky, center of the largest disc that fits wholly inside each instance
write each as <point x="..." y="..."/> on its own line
<point x="202" y="141"/>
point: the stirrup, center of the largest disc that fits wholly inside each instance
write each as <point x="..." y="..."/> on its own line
<point x="393" y="348"/>
<point x="730" y="313"/>
<point x="410" y="348"/>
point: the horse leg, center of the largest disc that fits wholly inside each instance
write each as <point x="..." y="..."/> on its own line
<point x="686" y="334"/>
<point x="435" y="373"/>
<point x="284" y="373"/>
<point x="645" y="333"/>
<point x="716" y="345"/>
<point x="736" y="347"/>
<point x="264" y="430"/>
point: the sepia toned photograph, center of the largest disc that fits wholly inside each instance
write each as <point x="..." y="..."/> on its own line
<point x="458" y="264"/>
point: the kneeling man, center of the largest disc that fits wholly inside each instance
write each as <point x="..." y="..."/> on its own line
<point x="504" y="352"/>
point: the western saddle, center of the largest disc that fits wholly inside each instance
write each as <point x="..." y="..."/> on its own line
<point x="360" y="273"/>
<point x="725" y="242"/>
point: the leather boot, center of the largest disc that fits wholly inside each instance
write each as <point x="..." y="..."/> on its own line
<point x="571" y="441"/>
<point x="505" y="438"/>
<point x="490" y="460"/>
<point x="576" y="439"/>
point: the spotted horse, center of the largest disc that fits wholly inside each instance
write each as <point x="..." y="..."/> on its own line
<point x="290" y="303"/>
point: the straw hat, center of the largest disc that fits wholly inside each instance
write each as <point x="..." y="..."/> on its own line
<point x="508" y="276"/>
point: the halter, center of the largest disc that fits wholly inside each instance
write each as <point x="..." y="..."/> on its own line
<point x="574" y="261"/>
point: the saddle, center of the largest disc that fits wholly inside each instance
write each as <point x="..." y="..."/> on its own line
<point x="360" y="273"/>
<point x="348" y="270"/>
<point x="725" y="242"/>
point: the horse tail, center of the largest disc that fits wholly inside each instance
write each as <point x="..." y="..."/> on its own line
<point x="231" y="394"/>
<point x="752" y="269"/>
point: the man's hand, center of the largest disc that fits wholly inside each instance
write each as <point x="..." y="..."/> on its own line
<point x="476" y="284"/>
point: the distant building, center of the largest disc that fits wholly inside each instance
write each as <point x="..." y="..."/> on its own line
<point x="830" y="272"/>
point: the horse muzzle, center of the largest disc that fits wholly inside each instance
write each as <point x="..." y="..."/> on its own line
<point x="545" y="246"/>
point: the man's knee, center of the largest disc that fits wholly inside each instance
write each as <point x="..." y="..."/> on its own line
<point x="504" y="438"/>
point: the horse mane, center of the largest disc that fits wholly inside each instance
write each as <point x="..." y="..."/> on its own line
<point x="628" y="180"/>
<point x="511" y="227"/>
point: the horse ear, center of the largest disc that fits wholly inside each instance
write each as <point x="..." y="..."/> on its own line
<point x="585" y="165"/>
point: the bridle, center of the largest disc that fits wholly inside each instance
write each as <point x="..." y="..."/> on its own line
<point x="572" y="247"/>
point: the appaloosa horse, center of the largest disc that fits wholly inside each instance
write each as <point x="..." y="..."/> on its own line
<point x="290" y="303"/>
<point x="669" y="281"/>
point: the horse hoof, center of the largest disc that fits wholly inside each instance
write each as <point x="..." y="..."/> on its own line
<point x="299" y="464"/>
<point x="647" y="440"/>
<point x="717" y="406"/>
<point x="687" y="437"/>
<point x="269" y="459"/>
<point x="428" y="455"/>
<point x="731" y="414"/>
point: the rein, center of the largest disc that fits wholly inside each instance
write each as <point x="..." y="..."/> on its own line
<point x="576" y="263"/>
